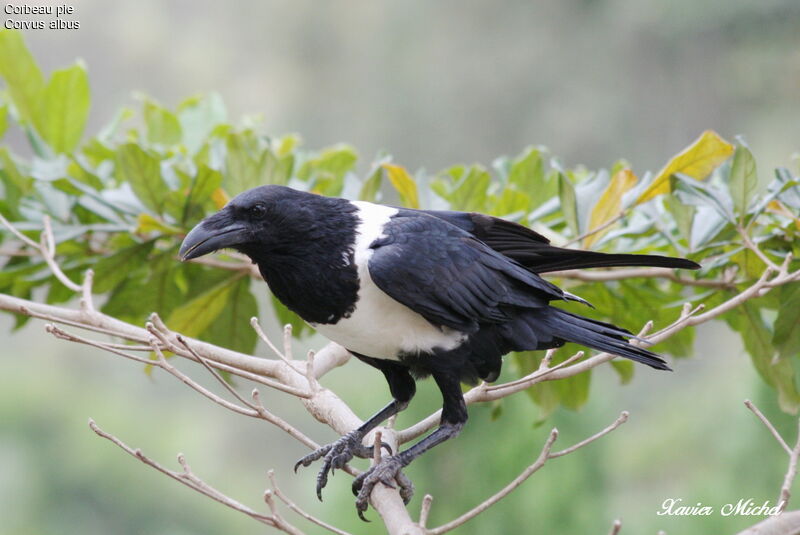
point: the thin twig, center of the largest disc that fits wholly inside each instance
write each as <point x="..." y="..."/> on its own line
<point x="750" y="405"/>
<point x="279" y="422"/>
<point x="20" y="236"/>
<point x="791" y="473"/>
<point x="287" y="341"/>
<point x="534" y="377"/>
<point x="291" y="505"/>
<point x="623" y="417"/>
<point x="186" y="477"/>
<point x="87" y="302"/>
<point x="188" y="381"/>
<point x="472" y="513"/>
<point x="164" y="335"/>
<point x="48" y="248"/>
<point x="544" y="456"/>
<point x="264" y="338"/>
<point x="594" y="231"/>
<point x="749" y="244"/>
<point x="425" y="510"/>
<point x="608" y="275"/>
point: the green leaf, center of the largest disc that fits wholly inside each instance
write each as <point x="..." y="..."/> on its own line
<point x="157" y="291"/>
<point x="3" y="120"/>
<point x="142" y="171"/>
<point x="682" y="214"/>
<point x="162" y="126"/>
<point x="404" y="184"/>
<point x="204" y="184"/>
<point x="22" y="75"/>
<point x="569" y="206"/>
<point x="527" y="171"/>
<point x="743" y="180"/>
<point x="787" y="326"/>
<point x="64" y="109"/>
<point x="15" y="184"/>
<point x="232" y="327"/>
<point x="246" y="162"/>
<point x="198" y="116"/>
<point x="747" y="320"/>
<point x="511" y="202"/>
<point x="625" y="368"/>
<point x="372" y="186"/>
<point x="470" y="192"/>
<point x="196" y="316"/>
<point x="327" y="170"/>
<point x="112" y="270"/>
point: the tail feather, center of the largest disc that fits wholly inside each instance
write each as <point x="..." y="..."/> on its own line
<point x="557" y="259"/>
<point x="591" y="333"/>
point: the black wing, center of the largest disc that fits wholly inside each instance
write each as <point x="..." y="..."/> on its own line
<point x="451" y="278"/>
<point x="534" y="251"/>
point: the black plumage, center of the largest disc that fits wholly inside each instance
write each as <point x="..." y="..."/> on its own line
<point x="413" y="293"/>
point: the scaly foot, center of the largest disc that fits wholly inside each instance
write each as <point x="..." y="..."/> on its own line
<point x="387" y="471"/>
<point x="337" y="455"/>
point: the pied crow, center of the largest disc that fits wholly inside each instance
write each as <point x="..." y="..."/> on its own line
<point x="413" y="293"/>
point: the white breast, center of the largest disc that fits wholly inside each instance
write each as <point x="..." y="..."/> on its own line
<point x="380" y="327"/>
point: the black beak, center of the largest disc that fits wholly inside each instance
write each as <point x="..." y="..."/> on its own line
<point x="208" y="237"/>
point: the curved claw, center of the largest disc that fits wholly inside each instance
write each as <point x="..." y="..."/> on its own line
<point x="387" y="471"/>
<point x="335" y="455"/>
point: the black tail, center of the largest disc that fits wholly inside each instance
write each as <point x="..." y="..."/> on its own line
<point x="550" y="325"/>
<point x="545" y="259"/>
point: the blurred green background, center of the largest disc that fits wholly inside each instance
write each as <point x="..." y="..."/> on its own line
<point x="434" y="83"/>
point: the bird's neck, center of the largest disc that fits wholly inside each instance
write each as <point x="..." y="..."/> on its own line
<point x="314" y="274"/>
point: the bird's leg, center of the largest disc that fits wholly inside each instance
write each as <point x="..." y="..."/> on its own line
<point x="388" y="470"/>
<point x="338" y="453"/>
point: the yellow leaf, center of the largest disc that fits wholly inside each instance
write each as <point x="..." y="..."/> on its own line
<point x="403" y="183"/>
<point x="609" y="205"/>
<point x="697" y="160"/>
<point x="777" y="207"/>
<point x="220" y="198"/>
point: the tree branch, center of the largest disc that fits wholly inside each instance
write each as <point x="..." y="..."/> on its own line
<point x="749" y="404"/>
<point x="545" y="455"/>
<point x="187" y="477"/>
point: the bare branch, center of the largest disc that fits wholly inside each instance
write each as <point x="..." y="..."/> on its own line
<point x="186" y="477"/>
<point x="185" y="379"/>
<point x="544" y="456"/>
<point x="623" y="417"/>
<point x="750" y="405"/>
<point x="240" y="266"/>
<point x="646" y="273"/>
<point x="291" y="505"/>
<point x="592" y="232"/>
<point x="264" y="338"/>
<point x="425" y="510"/>
<point x="87" y="302"/>
<point x="749" y="244"/>
<point x="279" y="422"/>
<point x="791" y="473"/>
<point x="19" y="235"/>
<point x="472" y="513"/>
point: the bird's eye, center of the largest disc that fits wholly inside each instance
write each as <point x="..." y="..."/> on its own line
<point x="258" y="210"/>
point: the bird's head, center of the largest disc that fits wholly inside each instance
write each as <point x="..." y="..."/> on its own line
<point x="254" y="222"/>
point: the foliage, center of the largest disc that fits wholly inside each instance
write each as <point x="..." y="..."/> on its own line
<point x="121" y="201"/>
